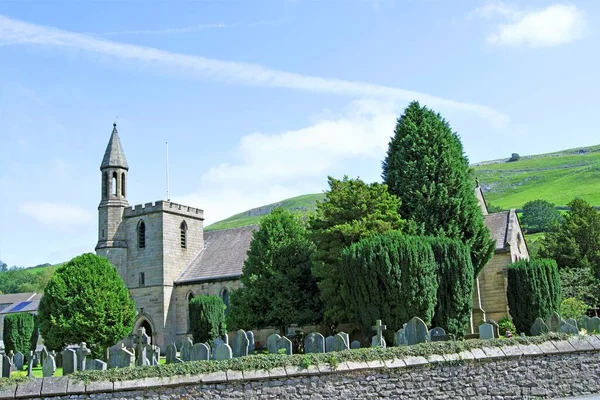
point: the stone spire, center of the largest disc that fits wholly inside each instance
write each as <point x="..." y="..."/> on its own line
<point x="114" y="156"/>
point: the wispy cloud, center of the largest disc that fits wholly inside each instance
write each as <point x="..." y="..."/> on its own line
<point x="57" y="214"/>
<point x="187" y="29"/>
<point x="18" y="32"/>
<point x="551" y="26"/>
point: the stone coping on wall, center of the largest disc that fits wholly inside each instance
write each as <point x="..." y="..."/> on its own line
<point x="61" y="386"/>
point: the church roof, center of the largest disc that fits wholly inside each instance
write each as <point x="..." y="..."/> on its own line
<point x="114" y="156"/>
<point x="222" y="258"/>
<point x="497" y="223"/>
<point x="19" y="302"/>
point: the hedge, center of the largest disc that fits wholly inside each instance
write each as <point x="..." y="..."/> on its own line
<point x="18" y="332"/>
<point x="207" y="318"/>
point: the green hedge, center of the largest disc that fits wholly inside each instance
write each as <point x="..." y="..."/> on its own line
<point x="533" y="291"/>
<point x="18" y="332"/>
<point x="207" y="318"/>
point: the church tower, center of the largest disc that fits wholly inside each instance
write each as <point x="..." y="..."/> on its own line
<point x="112" y="237"/>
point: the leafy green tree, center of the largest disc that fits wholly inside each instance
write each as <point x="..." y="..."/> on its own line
<point x="426" y="167"/>
<point x="85" y="301"/>
<point x="352" y="210"/>
<point x="18" y="330"/>
<point x="18" y="280"/>
<point x="454" y="304"/>
<point x="573" y="308"/>
<point x="278" y="287"/>
<point x="534" y="291"/>
<point x="580" y="283"/>
<point x="540" y="216"/>
<point x="391" y="277"/>
<point x="207" y="318"/>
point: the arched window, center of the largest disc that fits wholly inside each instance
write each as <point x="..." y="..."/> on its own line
<point x="141" y="235"/>
<point x="114" y="184"/>
<point x="225" y="298"/>
<point x="189" y="314"/>
<point x="183" y="228"/>
<point x="123" y="184"/>
<point x="104" y="185"/>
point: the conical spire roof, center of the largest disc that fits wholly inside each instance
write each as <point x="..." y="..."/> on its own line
<point x="114" y="156"/>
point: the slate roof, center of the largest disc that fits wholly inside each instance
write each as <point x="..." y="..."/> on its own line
<point x="222" y="258"/>
<point x="19" y="302"/>
<point x="498" y="224"/>
<point x="114" y="156"/>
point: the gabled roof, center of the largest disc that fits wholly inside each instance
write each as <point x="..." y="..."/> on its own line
<point x="19" y="302"/>
<point x="497" y="223"/>
<point x="114" y="156"/>
<point x="222" y="258"/>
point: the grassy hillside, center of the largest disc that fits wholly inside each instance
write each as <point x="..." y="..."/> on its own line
<point x="302" y="204"/>
<point x="557" y="177"/>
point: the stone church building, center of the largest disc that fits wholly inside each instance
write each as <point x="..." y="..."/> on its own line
<point x="166" y="258"/>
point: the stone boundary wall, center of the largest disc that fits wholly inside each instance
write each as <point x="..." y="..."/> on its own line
<point x="548" y="370"/>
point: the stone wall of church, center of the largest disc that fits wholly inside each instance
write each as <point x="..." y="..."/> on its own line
<point x="493" y="284"/>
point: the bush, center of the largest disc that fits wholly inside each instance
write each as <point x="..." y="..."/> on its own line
<point x="455" y="285"/>
<point x="533" y="291"/>
<point x="18" y="330"/>
<point x="514" y="157"/>
<point x="207" y="318"/>
<point x="573" y="308"/>
<point x="391" y="277"/>
<point x="506" y="324"/>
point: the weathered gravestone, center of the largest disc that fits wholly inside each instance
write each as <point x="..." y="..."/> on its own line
<point x="284" y="344"/>
<point x="171" y="354"/>
<point x="215" y="344"/>
<point x="34" y="359"/>
<point x="48" y="366"/>
<point x="30" y="365"/>
<point x="240" y="344"/>
<point x="223" y="352"/>
<point x="200" y="352"/>
<point x="272" y="343"/>
<point x="121" y="357"/>
<point x="539" y="327"/>
<point x="595" y="325"/>
<point x="340" y="342"/>
<point x="375" y="342"/>
<point x="355" y="344"/>
<point x="329" y="344"/>
<point x="554" y="322"/>
<point x="415" y="331"/>
<point x="82" y="353"/>
<point x="95" y="365"/>
<point x="154" y="355"/>
<point x="568" y="329"/>
<point x="57" y="358"/>
<point x="7" y="366"/>
<point x="69" y="357"/>
<point x="486" y="331"/>
<point x="314" y="343"/>
<point x="572" y="321"/>
<point x="19" y="360"/>
<point x="399" y="337"/>
<point x="378" y="340"/>
<point x="251" y="345"/>
<point x="438" y="334"/>
<point x="186" y="349"/>
<point x="43" y="354"/>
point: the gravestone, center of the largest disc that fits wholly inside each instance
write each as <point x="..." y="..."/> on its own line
<point x="48" y="366"/>
<point x="34" y="359"/>
<point x="186" y="349"/>
<point x="573" y="322"/>
<point x="171" y="354"/>
<point x="95" y="365"/>
<point x="143" y="348"/>
<point x="251" y="345"/>
<point x="121" y="357"/>
<point x="7" y="366"/>
<point x="69" y="357"/>
<point x="400" y="338"/>
<point x="415" y="331"/>
<point x="154" y="355"/>
<point x="329" y="344"/>
<point x="568" y="329"/>
<point x="19" y="360"/>
<point x="437" y="335"/>
<point x="586" y="323"/>
<point x="200" y="352"/>
<point x="43" y="354"/>
<point x="240" y="344"/>
<point x="355" y="345"/>
<point x="340" y="342"/>
<point x="57" y="358"/>
<point x="378" y="340"/>
<point x="595" y="325"/>
<point x="539" y="327"/>
<point x="554" y="322"/>
<point x="285" y="344"/>
<point x="82" y="353"/>
<point x="272" y="343"/>
<point x="223" y="352"/>
<point x="486" y="331"/>
<point x="30" y="365"/>
<point x="314" y="343"/>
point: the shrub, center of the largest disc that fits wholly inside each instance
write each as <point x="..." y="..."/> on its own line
<point x="514" y="157"/>
<point x="207" y="318"/>
<point x="506" y="324"/>
<point x="533" y="291"/>
<point x="18" y="330"/>
<point x="573" y="308"/>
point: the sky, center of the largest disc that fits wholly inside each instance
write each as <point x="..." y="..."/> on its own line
<point x="262" y="100"/>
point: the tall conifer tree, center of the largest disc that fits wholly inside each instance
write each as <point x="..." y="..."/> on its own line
<point x="425" y="166"/>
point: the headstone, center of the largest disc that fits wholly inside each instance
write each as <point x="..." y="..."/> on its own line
<point x="376" y="343"/>
<point x="58" y="358"/>
<point x="573" y="322"/>
<point x="437" y="335"/>
<point x="400" y="338"/>
<point x="154" y="355"/>
<point x="378" y="340"/>
<point x="568" y="329"/>
<point x="240" y="344"/>
<point x="272" y="343"/>
<point x="200" y="352"/>
<point x="554" y="322"/>
<point x="121" y="357"/>
<point x="595" y="325"/>
<point x="19" y="360"/>
<point x="171" y="354"/>
<point x="223" y="352"/>
<point x="30" y="365"/>
<point x="95" y="365"/>
<point x="355" y="344"/>
<point x="82" y="353"/>
<point x="340" y="342"/>
<point x="314" y="343"/>
<point x="329" y="344"/>
<point x="7" y="366"/>
<point x="495" y="328"/>
<point x="48" y="366"/>
<point x="587" y="323"/>
<point x="486" y="331"/>
<point x="285" y="344"/>
<point x="186" y="349"/>
<point x="251" y="345"/>
<point x="34" y="359"/>
<point x="415" y="331"/>
<point x="43" y="354"/>
<point x="69" y="357"/>
<point x="539" y="327"/>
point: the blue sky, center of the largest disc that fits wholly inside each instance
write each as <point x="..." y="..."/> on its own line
<point x="261" y="100"/>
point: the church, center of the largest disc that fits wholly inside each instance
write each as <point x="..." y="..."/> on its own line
<point x="165" y="257"/>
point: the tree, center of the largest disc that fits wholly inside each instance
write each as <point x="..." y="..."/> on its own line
<point x="426" y="168"/>
<point x="85" y="301"/>
<point x="278" y="287"/>
<point x="18" y="330"/>
<point x="391" y="277"/>
<point x="352" y="210"/>
<point x="579" y="283"/>
<point x="514" y="157"/>
<point x="207" y="318"/>
<point x="534" y="291"/>
<point x="540" y="216"/>
<point x="454" y="304"/>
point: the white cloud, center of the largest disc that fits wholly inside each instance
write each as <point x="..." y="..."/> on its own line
<point x="551" y="26"/>
<point x="187" y="29"/>
<point x="17" y="32"/>
<point x="57" y="214"/>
